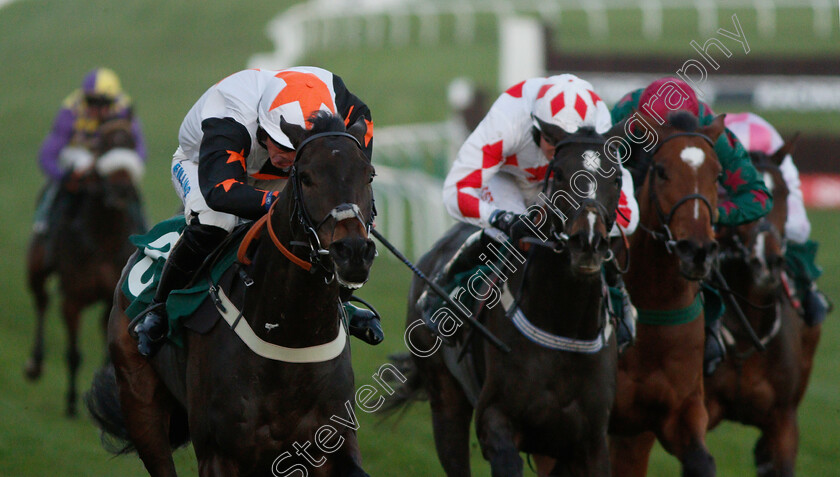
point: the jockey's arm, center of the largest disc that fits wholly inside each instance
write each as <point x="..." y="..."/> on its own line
<point x="480" y="158"/>
<point x="221" y="170"/>
<point x="139" y="139"/>
<point x="749" y="199"/>
<point x="797" y="227"/>
<point x="627" y="212"/>
<point x="58" y="138"/>
<point x="351" y="109"/>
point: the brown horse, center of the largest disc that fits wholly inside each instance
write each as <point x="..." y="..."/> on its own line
<point x="88" y="244"/>
<point x="258" y="414"/>
<point x="660" y="379"/>
<point x="763" y="389"/>
<point x="551" y="395"/>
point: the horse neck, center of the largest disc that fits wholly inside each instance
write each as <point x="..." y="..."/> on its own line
<point x="300" y="303"/>
<point x="559" y="302"/>
<point x="105" y="229"/>
<point x="739" y="279"/>
<point x="653" y="279"/>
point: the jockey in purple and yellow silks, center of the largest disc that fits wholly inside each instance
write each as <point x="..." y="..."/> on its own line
<point x="66" y="148"/>
<point x="748" y="197"/>
<point x="100" y="98"/>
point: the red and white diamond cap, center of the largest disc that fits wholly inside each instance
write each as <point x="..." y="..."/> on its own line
<point x="570" y="103"/>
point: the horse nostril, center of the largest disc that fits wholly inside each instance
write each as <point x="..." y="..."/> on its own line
<point x="341" y="250"/>
<point x="775" y="262"/>
<point x="685" y="248"/>
<point x="370" y="251"/>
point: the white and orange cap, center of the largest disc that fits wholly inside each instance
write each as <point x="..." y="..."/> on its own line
<point x="570" y="103"/>
<point x="294" y="96"/>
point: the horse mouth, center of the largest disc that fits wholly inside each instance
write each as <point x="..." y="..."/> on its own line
<point x="588" y="269"/>
<point x="353" y="285"/>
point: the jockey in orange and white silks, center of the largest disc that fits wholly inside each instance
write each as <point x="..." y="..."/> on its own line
<point x="502" y="167"/>
<point x="231" y="163"/>
<point x="222" y="169"/>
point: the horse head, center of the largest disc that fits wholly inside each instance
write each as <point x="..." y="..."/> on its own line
<point x="682" y="180"/>
<point x="118" y="167"/>
<point x="332" y="194"/>
<point x="763" y="241"/>
<point x="589" y="187"/>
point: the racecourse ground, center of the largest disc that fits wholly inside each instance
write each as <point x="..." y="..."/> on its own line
<point x="167" y="54"/>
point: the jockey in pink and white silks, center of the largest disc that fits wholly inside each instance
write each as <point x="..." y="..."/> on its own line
<point x="756" y="134"/>
<point x="499" y="171"/>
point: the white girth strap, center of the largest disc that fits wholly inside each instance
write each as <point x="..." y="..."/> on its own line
<point x="548" y="340"/>
<point x="312" y="354"/>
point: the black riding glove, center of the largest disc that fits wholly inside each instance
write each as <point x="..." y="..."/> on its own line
<point x="515" y="226"/>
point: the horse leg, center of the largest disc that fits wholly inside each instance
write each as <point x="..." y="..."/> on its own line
<point x="781" y="440"/>
<point x="451" y="414"/>
<point x="72" y="312"/>
<point x="146" y="404"/>
<point x="683" y="435"/>
<point x="545" y="465"/>
<point x="215" y="465"/>
<point x="37" y="278"/>
<point x="629" y="455"/>
<point x="498" y="442"/>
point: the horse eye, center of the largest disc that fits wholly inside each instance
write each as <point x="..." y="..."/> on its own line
<point x="660" y="171"/>
<point x="372" y="175"/>
<point x="305" y="179"/>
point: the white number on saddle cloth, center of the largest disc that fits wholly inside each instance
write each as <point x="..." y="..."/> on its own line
<point x="159" y="248"/>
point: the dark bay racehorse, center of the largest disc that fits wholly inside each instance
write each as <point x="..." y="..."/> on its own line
<point x="88" y="244"/>
<point x="543" y="397"/>
<point x="763" y="389"/>
<point x="660" y="379"/>
<point x="247" y="414"/>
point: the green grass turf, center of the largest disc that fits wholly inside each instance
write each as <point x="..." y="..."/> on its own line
<point x="167" y="53"/>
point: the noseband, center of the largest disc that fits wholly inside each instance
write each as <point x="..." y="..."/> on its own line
<point x="665" y="219"/>
<point x="338" y="213"/>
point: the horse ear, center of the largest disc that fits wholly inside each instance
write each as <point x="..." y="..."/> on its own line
<point x="617" y="129"/>
<point x="716" y="128"/>
<point x="554" y="133"/>
<point x="294" y="132"/>
<point x="787" y="148"/>
<point x="358" y="130"/>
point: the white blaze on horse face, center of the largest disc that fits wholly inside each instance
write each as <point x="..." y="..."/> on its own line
<point x="694" y="157"/>
<point x="759" y="248"/>
<point x="769" y="182"/>
<point x="591" y="217"/>
<point x="591" y="161"/>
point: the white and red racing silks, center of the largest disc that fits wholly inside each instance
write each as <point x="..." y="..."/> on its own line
<point x="503" y="143"/>
<point x="756" y="134"/>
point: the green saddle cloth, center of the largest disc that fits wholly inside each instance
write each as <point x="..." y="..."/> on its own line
<point x="143" y="276"/>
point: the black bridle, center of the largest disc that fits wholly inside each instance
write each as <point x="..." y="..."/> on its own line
<point x="338" y="213"/>
<point x="665" y="219"/>
<point x="561" y="239"/>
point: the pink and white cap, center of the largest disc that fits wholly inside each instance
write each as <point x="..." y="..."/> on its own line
<point x="754" y="132"/>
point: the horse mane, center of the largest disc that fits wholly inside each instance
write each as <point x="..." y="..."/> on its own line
<point x="324" y="121"/>
<point x="684" y="121"/>
<point x="586" y="131"/>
